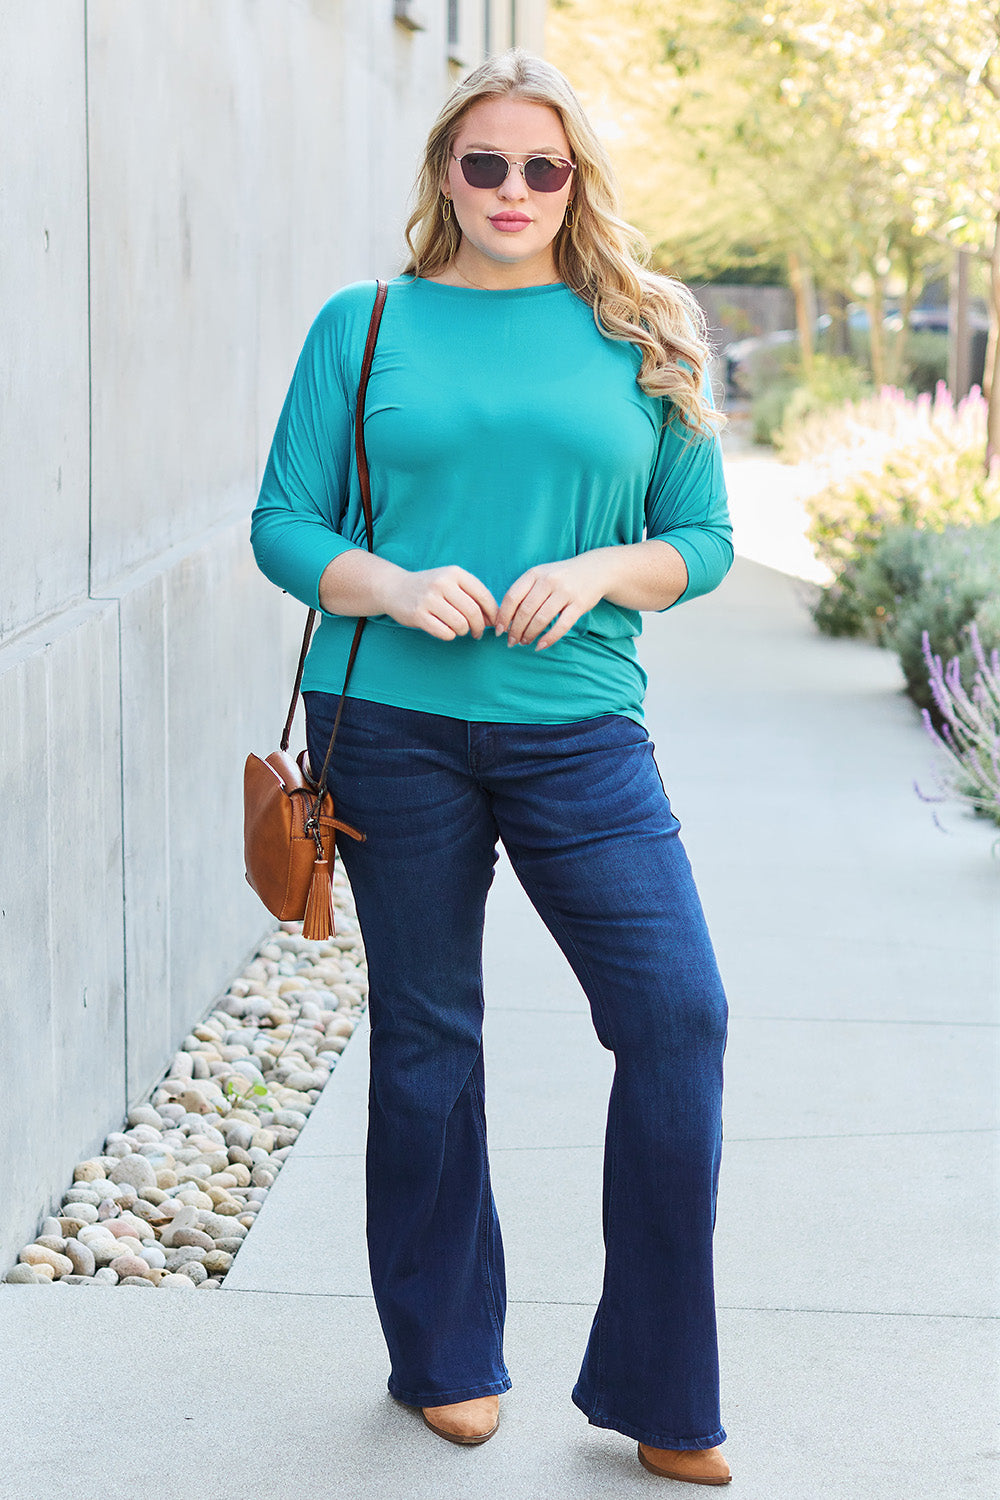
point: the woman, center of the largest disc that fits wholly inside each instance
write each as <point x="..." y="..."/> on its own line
<point x="544" y="467"/>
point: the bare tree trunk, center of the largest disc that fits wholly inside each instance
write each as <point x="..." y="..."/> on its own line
<point x="991" y="377"/>
<point x="804" y="292"/>
<point x="959" y="378"/>
<point x="876" y="329"/>
<point x="840" y="340"/>
<point x="896" y="351"/>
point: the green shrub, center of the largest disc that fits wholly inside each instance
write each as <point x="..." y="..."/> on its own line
<point x="915" y="581"/>
<point x="834" y="379"/>
<point x="939" y="583"/>
<point x="891" y="575"/>
<point x="925" y="360"/>
<point x="930" y="485"/>
<point x="767" y="411"/>
<point x="781" y="398"/>
<point x="921" y="364"/>
<point x="771" y="377"/>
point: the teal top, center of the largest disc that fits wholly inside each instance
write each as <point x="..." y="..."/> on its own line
<point x="503" y="430"/>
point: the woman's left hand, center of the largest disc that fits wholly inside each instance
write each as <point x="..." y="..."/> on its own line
<point x="551" y="597"/>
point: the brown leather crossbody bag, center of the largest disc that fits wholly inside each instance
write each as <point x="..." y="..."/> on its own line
<point x="289" y="825"/>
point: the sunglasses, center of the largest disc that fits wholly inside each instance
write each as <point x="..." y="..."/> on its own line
<point x="488" y="169"/>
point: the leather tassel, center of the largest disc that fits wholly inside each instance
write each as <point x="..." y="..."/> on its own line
<point x="317" y="924"/>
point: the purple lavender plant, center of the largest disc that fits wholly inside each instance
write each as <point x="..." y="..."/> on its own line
<point x="968" y="733"/>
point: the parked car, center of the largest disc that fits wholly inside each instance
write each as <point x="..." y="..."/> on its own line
<point x="741" y="356"/>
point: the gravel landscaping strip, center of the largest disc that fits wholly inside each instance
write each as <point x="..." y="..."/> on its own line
<point x="174" y="1194"/>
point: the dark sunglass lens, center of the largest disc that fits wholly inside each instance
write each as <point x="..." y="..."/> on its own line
<point x="483" y="169"/>
<point x="546" y="175"/>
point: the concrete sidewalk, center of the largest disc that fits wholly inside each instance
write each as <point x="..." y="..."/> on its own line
<point x="858" y="1207"/>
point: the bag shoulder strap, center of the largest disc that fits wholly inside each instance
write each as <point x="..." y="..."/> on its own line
<point x="361" y="458"/>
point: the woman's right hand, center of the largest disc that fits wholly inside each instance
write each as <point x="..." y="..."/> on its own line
<point x="443" y="602"/>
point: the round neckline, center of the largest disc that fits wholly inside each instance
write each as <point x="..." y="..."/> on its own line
<point x="474" y="291"/>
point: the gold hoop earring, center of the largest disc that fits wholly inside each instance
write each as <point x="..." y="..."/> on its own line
<point x="446" y="209"/>
<point x="570" y="218"/>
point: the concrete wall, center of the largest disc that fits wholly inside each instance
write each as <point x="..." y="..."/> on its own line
<point x="184" y="183"/>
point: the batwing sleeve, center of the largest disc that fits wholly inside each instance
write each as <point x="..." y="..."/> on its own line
<point x="687" y="506"/>
<point x="296" y="527"/>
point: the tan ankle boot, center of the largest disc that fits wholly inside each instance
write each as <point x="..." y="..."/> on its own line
<point x="466" y="1422"/>
<point x="693" y="1465"/>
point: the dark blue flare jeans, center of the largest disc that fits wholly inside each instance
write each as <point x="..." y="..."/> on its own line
<point x="588" y="828"/>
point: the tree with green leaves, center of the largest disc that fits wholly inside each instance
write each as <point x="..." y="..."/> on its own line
<point x="919" y="81"/>
<point x="858" y="139"/>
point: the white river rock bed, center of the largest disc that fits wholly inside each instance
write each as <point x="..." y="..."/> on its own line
<point x="174" y="1193"/>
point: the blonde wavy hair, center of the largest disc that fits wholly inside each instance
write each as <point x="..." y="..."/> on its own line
<point x="603" y="259"/>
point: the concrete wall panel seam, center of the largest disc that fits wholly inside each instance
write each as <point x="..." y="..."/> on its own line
<point x="235" y="516"/>
<point x="41" y="634"/>
<point x="43" y="559"/>
<point x="90" y="312"/>
<point x="120" y="811"/>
